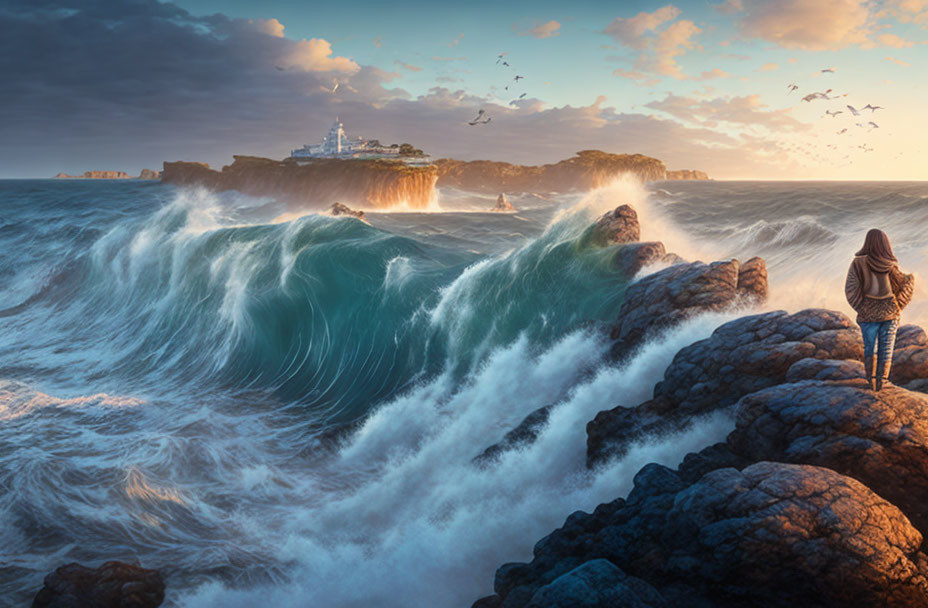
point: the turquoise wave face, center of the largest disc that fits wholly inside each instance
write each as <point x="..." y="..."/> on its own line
<point x="323" y="315"/>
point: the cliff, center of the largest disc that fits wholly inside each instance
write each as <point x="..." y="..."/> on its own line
<point x="686" y="174"/>
<point x="588" y="169"/>
<point x="318" y="183"/>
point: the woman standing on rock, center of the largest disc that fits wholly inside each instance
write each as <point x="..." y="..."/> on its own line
<point x="878" y="290"/>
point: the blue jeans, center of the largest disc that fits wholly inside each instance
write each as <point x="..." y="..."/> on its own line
<point x="880" y="337"/>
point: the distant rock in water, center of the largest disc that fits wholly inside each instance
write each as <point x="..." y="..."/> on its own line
<point x="96" y="175"/>
<point x="373" y="183"/>
<point x="145" y="174"/>
<point x="588" y="169"/>
<point x="503" y="204"/>
<point x="686" y="174"/>
<point x="342" y="209"/>
<point x="112" y="585"/>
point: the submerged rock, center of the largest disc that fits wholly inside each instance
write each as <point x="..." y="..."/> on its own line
<point x="342" y="209"/>
<point x="522" y="435"/>
<point x="503" y="204"/>
<point x="112" y="585"/>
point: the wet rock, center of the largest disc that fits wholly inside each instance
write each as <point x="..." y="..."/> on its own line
<point x="616" y="227"/>
<point x="740" y="357"/>
<point x="524" y="434"/>
<point x="503" y="204"/>
<point x="596" y="584"/>
<point x="112" y="585"/>
<point x="878" y="438"/>
<point x="791" y="535"/>
<point x="342" y="209"/>
<point x="716" y="456"/>
<point x="632" y="257"/>
<point x="679" y="292"/>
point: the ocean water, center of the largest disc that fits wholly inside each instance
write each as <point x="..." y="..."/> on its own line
<point x="270" y="406"/>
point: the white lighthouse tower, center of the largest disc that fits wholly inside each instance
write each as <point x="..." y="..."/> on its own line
<point x="336" y="141"/>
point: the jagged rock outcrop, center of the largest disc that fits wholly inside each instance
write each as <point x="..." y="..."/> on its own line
<point x="112" y="585"/>
<point x="675" y="294"/>
<point x="880" y="439"/>
<point x="523" y="434"/>
<point x="316" y="183"/>
<point x="341" y="209"/>
<point x="740" y="357"/>
<point x="503" y="204"/>
<point x="588" y="169"/>
<point x="772" y="534"/>
<point x="149" y="174"/>
<point x="615" y="228"/>
<point x="686" y="174"/>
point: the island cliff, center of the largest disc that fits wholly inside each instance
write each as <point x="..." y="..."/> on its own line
<point x="317" y="183"/>
<point x="588" y="169"/>
<point x="145" y="174"/>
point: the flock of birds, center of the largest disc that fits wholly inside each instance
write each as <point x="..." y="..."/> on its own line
<point x="849" y="110"/>
<point x="482" y="117"/>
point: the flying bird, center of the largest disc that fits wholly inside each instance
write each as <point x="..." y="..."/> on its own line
<point x="833" y="114"/>
<point x="853" y="110"/>
<point x="873" y="125"/>
<point x="518" y="78"/>
<point x="828" y="71"/>
<point x="842" y="131"/>
<point x="506" y="63"/>
<point x="791" y="88"/>
<point x="280" y="69"/>
<point x="500" y="57"/>
<point x="872" y="108"/>
<point x="482" y="118"/>
<point x="335" y="88"/>
<point x="522" y="95"/>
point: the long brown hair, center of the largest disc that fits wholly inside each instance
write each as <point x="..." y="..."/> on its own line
<point x="879" y="252"/>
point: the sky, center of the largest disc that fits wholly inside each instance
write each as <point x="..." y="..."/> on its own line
<point x="127" y="84"/>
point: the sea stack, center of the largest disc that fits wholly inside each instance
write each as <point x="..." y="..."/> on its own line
<point x="503" y="204"/>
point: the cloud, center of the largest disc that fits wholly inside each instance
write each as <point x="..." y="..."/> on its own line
<point x="894" y="41"/>
<point x="659" y="43"/>
<point x="631" y="31"/>
<point x="549" y="29"/>
<point x="639" y="78"/>
<point x="437" y="58"/>
<point x="315" y="55"/>
<point x="744" y="111"/>
<point x="410" y="67"/>
<point x="713" y="74"/>
<point x="768" y="67"/>
<point x="271" y="27"/>
<point x="811" y="26"/>
<point x="904" y="64"/>
<point x="729" y="6"/>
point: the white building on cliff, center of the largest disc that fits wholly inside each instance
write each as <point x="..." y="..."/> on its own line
<point x="336" y="144"/>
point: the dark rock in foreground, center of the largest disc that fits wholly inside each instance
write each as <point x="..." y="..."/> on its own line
<point x="112" y="585"/>
<point x="880" y="439"/>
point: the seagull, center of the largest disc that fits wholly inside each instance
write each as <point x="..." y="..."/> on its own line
<point x="482" y="118"/>
<point x="500" y="57"/>
<point x="791" y="88"/>
<point x="828" y="71"/>
<point x="873" y="124"/>
<point x="506" y="63"/>
<point x="522" y="95"/>
<point x="842" y="131"/>
<point x="853" y="110"/>
<point x="518" y="78"/>
<point x="833" y="114"/>
<point x="872" y="108"/>
<point x="335" y="88"/>
<point x="859" y="124"/>
<point x="280" y="68"/>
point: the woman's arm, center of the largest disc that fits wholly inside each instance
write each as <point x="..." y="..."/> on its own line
<point x="853" y="290"/>
<point x="903" y="286"/>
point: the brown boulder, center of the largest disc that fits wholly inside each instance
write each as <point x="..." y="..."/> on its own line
<point x="112" y="585"/>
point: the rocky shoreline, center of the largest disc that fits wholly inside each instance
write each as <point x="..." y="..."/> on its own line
<point x="816" y="498"/>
